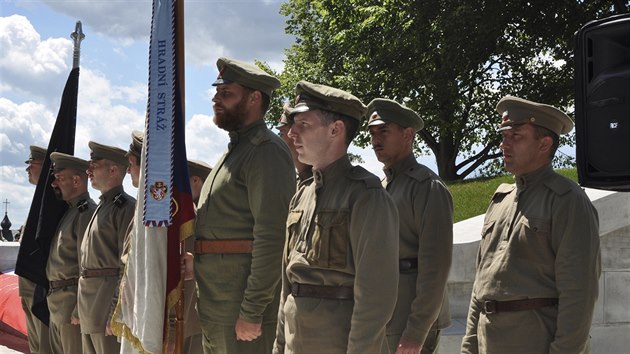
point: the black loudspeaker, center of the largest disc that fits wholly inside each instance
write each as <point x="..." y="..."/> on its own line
<point x="602" y="103"/>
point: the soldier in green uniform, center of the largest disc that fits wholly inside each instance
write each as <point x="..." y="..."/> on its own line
<point x="241" y="217"/>
<point x="340" y="265"/>
<point x="102" y="247"/>
<point x="538" y="264"/>
<point x="198" y="172"/>
<point x="303" y="170"/>
<point x="62" y="269"/>
<point x="38" y="332"/>
<point x="425" y="208"/>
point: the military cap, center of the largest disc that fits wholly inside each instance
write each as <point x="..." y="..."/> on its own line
<point x="37" y="153"/>
<point x="135" y="148"/>
<point x="62" y="161"/>
<point x="381" y="111"/>
<point x="112" y="153"/>
<point x="284" y="118"/>
<point x="517" y="111"/>
<point x="198" y="168"/>
<point x="314" y="96"/>
<point x="246" y="74"/>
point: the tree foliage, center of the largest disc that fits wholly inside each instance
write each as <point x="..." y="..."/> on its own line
<point x="451" y="61"/>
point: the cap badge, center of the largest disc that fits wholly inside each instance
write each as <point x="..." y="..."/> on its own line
<point x="505" y="117"/>
<point x="220" y="77"/>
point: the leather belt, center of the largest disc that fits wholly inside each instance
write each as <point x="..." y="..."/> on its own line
<point x="407" y="264"/>
<point x="492" y="306"/>
<point x="100" y="273"/>
<point x="56" y="284"/>
<point x="322" y="291"/>
<point x="223" y="246"/>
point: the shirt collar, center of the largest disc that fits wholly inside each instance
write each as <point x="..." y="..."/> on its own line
<point x="74" y="201"/>
<point x="112" y="193"/>
<point x="399" y="167"/>
<point x="244" y="132"/>
<point x="332" y="172"/>
<point x="533" y="178"/>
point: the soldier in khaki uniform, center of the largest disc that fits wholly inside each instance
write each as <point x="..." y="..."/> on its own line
<point x="340" y="266"/>
<point x="538" y="265"/>
<point x="62" y="269"/>
<point x="133" y="156"/>
<point x="241" y="217"/>
<point x="303" y="170"/>
<point x="425" y="208"/>
<point x="102" y="247"/>
<point x="133" y="169"/>
<point x="38" y="332"/>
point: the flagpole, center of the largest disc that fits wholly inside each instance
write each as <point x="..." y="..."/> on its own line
<point x="77" y="36"/>
<point x="180" y="60"/>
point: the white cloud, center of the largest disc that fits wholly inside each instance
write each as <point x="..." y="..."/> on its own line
<point x="29" y="64"/>
<point x="14" y="187"/>
<point x="126" y="21"/>
<point x="204" y="141"/>
<point x="245" y="30"/>
<point x="23" y="124"/>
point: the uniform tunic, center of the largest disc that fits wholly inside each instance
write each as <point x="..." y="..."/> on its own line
<point x="425" y="208"/>
<point x="101" y="248"/>
<point x="245" y="197"/>
<point x="342" y="231"/>
<point x="38" y="332"/>
<point x="540" y="239"/>
<point x="63" y="264"/>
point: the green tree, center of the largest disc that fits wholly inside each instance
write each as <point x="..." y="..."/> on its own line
<point x="451" y="61"/>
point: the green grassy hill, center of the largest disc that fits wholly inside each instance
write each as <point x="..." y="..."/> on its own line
<point x="471" y="197"/>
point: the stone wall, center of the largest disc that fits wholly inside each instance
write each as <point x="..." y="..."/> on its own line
<point x="611" y="320"/>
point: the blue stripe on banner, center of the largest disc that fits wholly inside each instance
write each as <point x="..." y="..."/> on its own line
<point x="160" y="115"/>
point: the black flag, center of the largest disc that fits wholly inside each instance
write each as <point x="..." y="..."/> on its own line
<point x="46" y="210"/>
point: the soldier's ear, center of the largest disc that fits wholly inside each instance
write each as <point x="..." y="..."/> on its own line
<point x="255" y="96"/>
<point x="545" y="144"/>
<point x="408" y="134"/>
<point x="336" y="127"/>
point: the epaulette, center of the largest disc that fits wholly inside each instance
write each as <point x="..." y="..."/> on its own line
<point x="259" y="137"/>
<point x="120" y="200"/>
<point x="418" y="173"/>
<point x="559" y="185"/>
<point x="503" y="189"/>
<point x="359" y="173"/>
<point x="82" y="205"/>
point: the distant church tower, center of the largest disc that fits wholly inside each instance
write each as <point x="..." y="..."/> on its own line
<point x="6" y="224"/>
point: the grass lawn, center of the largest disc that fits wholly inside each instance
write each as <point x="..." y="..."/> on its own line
<point x="471" y="197"/>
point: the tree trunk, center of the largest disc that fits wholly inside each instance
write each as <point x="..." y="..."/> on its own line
<point x="445" y="158"/>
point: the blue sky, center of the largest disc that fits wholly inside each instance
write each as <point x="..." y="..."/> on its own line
<point x="36" y="57"/>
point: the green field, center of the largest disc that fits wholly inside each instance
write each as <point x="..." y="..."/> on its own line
<point x="471" y="197"/>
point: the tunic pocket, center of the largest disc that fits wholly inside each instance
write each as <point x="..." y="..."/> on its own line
<point x="293" y="220"/>
<point x="534" y="241"/>
<point x="486" y="232"/>
<point x="330" y="239"/>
